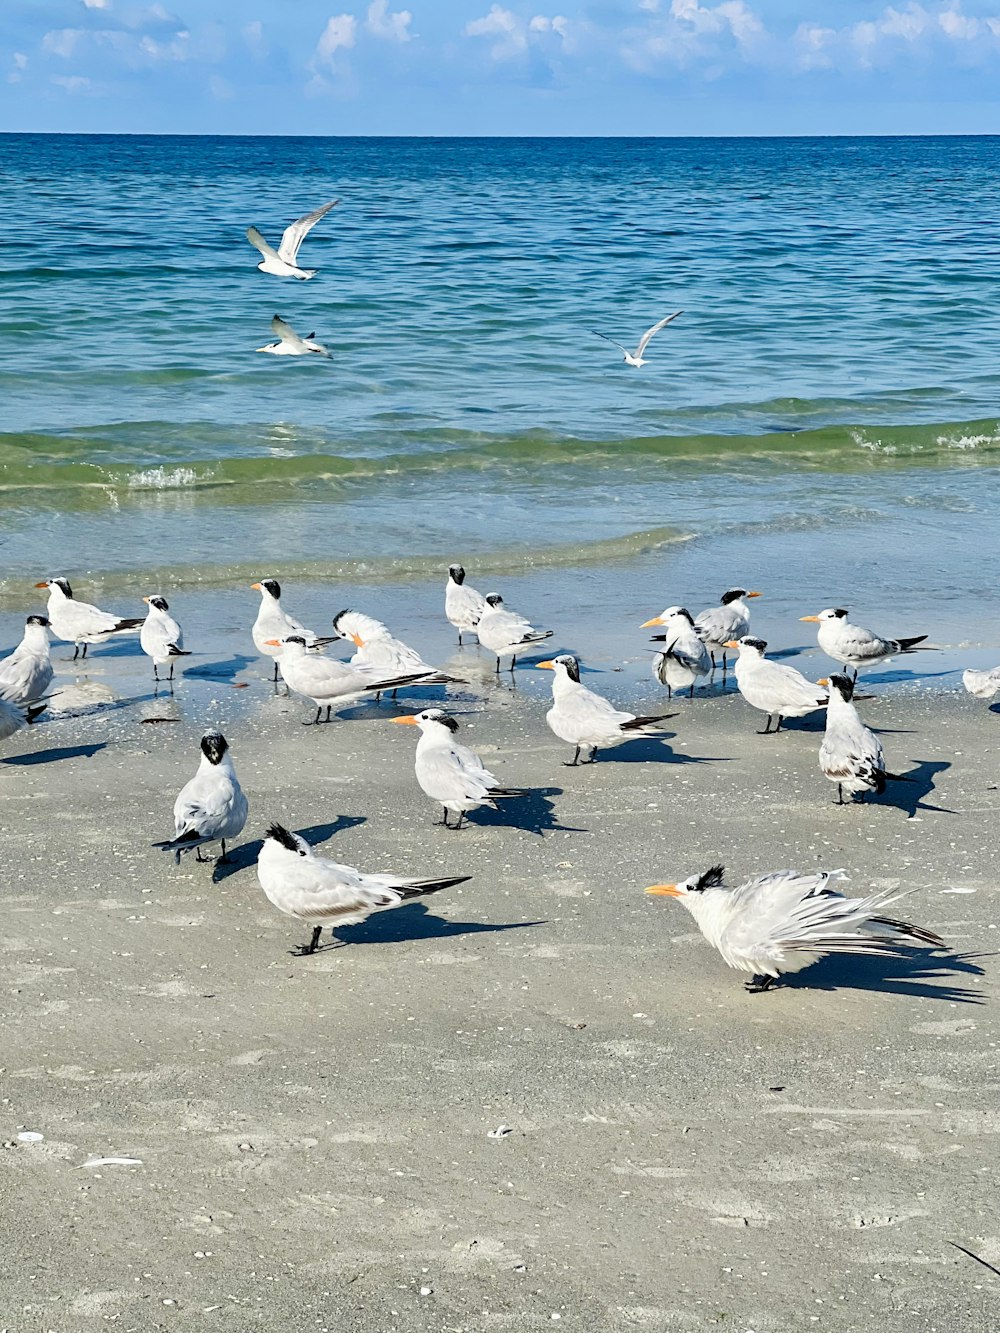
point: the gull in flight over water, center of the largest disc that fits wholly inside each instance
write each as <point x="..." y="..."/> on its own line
<point x="635" y="358"/>
<point x="283" y="262"/>
<point x="289" y="343"/>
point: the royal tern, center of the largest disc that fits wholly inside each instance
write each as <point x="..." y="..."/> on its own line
<point x="274" y="622"/>
<point x="462" y="604"/>
<point x="854" y="645"/>
<point x="851" y="755"/>
<point x="635" y="358"/>
<point x="450" y="773"/>
<point x="289" y="343"/>
<point x="729" y="620"/>
<point x="161" y="636"/>
<point x="383" y="655"/>
<point x="330" y="684"/>
<point x="283" y="262"/>
<point x="585" y="719"/>
<point x="211" y="807"/>
<point x="684" y="657"/>
<point x="80" y="623"/>
<point x="26" y="673"/>
<point x="784" y="921"/>
<point x="322" y="893"/>
<point x="983" y="684"/>
<point x="15" y="716"/>
<point x="505" y="633"/>
<point x="779" y="691"/>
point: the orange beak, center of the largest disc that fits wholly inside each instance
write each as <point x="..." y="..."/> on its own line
<point x="406" y="721"/>
<point x="754" y="594"/>
<point x="146" y="600"/>
<point x="657" y="620"/>
<point x="273" y="643"/>
<point x="824" y="682"/>
<point x="41" y="585"/>
<point x="731" y="643"/>
<point x="358" y="640"/>
<point x="665" y="890"/>
<point x="546" y="666"/>
<point x="255" y="586"/>
<point x="812" y="618"/>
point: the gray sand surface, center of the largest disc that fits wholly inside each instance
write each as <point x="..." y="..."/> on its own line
<point x="314" y="1132"/>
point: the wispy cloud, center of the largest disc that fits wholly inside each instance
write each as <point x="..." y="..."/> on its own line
<point x="339" y="34"/>
<point x="394" y="27"/>
<point x="513" y="34"/>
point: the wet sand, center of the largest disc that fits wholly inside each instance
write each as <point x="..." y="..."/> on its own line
<point x="314" y="1133"/>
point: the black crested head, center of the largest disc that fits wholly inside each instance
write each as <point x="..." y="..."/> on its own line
<point x="439" y="715"/>
<point x="159" y="602"/>
<point x="214" y="746"/>
<point x="843" y="685"/>
<point x="752" y="642"/>
<point x="457" y="574"/>
<point x="683" y="611"/>
<point x="38" y="620"/>
<point x="339" y="616"/>
<point x="711" y="879"/>
<point x="840" y="613"/>
<point x="295" y="638"/>
<point x="494" y="599"/>
<point x="272" y="586"/>
<point x="63" y="586"/>
<point x="278" y="833"/>
<point x="733" y="595"/>
<point x="571" y="664"/>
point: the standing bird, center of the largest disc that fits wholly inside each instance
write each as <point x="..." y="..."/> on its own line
<point x="274" y="622"/>
<point x="330" y="684"/>
<point x="289" y="343"/>
<point x="635" y="358"/>
<point x="684" y="658"/>
<point x="982" y="684"/>
<point x="80" y="623"/>
<point x="462" y="604"/>
<point x="322" y="893"/>
<point x="161" y="636"/>
<point x="784" y="921"/>
<point x="851" y="754"/>
<point x="383" y="655"/>
<point x="584" y="718"/>
<point x="13" y="717"/>
<point x="211" y="807"/>
<point x="505" y="633"/>
<point x="779" y="691"/>
<point x="450" y="773"/>
<point x="26" y="673"/>
<point x="283" y="262"/>
<point x="853" y="645"/>
<point x="729" y="620"/>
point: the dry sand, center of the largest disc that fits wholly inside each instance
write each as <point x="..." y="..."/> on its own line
<point x="314" y="1133"/>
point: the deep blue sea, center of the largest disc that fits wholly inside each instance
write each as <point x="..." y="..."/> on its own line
<point x="824" y="417"/>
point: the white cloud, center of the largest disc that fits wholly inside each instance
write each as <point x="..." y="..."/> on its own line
<point x="957" y="25"/>
<point x="97" y="4"/>
<point x="62" y="41"/>
<point x="513" y="34"/>
<point x="253" y="33"/>
<point x="20" y="60"/>
<point x="393" y="26"/>
<point x="339" y="34"/>
<point x="73" y="83"/>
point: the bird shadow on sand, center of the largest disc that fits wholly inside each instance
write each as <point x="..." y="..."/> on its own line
<point x="57" y="752"/>
<point x="923" y="975"/>
<point x="221" y="670"/>
<point x="653" y="750"/>
<point x="909" y="795"/>
<point x="245" y="856"/>
<point x="534" y="812"/>
<point x="416" y="921"/>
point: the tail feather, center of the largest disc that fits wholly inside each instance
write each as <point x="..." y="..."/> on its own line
<point x="397" y="682"/>
<point x="185" y="842"/>
<point x="418" y="887"/>
<point x="638" y="722"/>
<point x="133" y="623"/>
<point x="898" y="777"/>
<point x="508" y="791"/>
<point x="174" y="651"/>
<point x="908" y="928"/>
<point x="538" y="636"/>
<point x="846" y="944"/>
<point x="907" y="644"/>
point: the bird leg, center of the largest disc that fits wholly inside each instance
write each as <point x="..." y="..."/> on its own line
<point x="461" y="816"/>
<point x="840" y="796"/>
<point x="198" y="856"/>
<point x="459" y="638"/>
<point x="513" y="663"/>
<point x="758" y="985"/>
<point x="712" y="656"/>
<point x="691" y="691"/>
<point x="444" y="819"/>
<point x="302" y="950"/>
<point x="76" y="652"/>
<point x="593" y="754"/>
<point x="315" y="721"/>
<point x="498" y="666"/>
<point x="156" y="674"/>
<point x="576" y="760"/>
<point x="767" y="729"/>
<point x="87" y="645"/>
<point x="171" y="676"/>
<point x="778" y="727"/>
<point x="223" y="859"/>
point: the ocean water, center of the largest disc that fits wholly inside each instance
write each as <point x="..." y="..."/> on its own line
<point x="823" y="420"/>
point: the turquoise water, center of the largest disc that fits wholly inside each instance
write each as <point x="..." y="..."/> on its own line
<point x="825" y="414"/>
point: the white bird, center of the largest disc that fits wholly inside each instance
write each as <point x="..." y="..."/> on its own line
<point x="505" y="632"/>
<point x="463" y="606"/>
<point x="777" y="690"/>
<point x="851" y="754"/>
<point x="855" y="646"/>
<point x="684" y="658"/>
<point x="784" y="921"/>
<point x="161" y="636"/>
<point x="729" y="620"/>
<point x="322" y="893"/>
<point x="26" y="673"/>
<point x="382" y="654"/>
<point x="80" y="623"/>
<point x="330" y="684"/>
<point x="983" y="684"/>
<point x="635" y="358"/>
<point x="289" y="343"/>
<point x="283" y="262"/>
<point x="211" y="807"/>
<point x="274" y="622"/>
<point x="585" y="719"/>
<point x="450" y="773"/>
<point x="13" y="717"/>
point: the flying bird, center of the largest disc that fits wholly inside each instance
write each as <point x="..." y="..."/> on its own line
<point x="463" y="606"/>
<point x="851" y="754"/>
<point x="321" y="893"/>
<point x="782" y="922"/>
<point x="283" y="262"/>
<point x="211" y="807"/>
<point x="777" y="690"/>
<point x="635" y="358"/>
<point x="450" y="773"/>
<point x="26" y="673"/>
<point x="289" y="343"/>
<point x="586" y="719"/>
<point x="855" y="646"/>
<point x="160" y="636"/>
<point x="80" y="623"/>
<point x="729" y="620"/>
<point x="505" y="633"/>
<point x="684" y="657"/>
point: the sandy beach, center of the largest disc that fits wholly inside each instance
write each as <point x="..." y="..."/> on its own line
<point x="315" y="1133"/>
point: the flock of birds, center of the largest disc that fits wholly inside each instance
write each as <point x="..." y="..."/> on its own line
<point x="775" y="924"/>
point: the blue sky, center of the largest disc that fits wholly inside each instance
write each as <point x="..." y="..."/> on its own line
<point x="507" y="67"/>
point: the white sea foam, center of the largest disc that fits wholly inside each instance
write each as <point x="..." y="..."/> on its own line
<point x="163" y="479"/>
